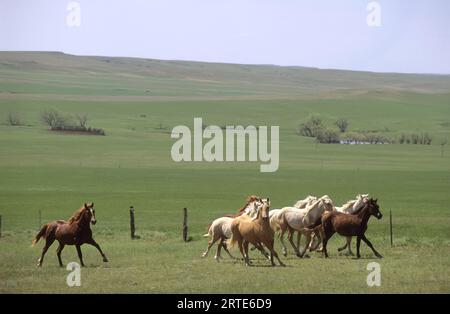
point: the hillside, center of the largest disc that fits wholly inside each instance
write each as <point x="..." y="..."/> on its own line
<point x="64" y="74"/>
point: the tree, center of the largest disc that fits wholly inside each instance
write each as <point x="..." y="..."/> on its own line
<point x="82" y="119"/>
<point x="13" y="119"/>
<point x="53" y="118"/>
<point x="311" y="127"/>
<point x="342" y="124"/>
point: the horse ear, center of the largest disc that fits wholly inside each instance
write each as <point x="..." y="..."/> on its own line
<point x="85" y="205"/>
<point x="376" y="200"/>
<point x="92" y="204"/>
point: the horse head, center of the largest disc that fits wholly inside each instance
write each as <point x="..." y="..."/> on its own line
<point x="265" y="208"/>
<point x="89" y="213"/>
<point x="374" y="208"/>
<point x="326" y="203"/>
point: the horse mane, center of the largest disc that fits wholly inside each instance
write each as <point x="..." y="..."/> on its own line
<point x="347" y="205"/>
<point x="76" y="215"/>
<point x="363" y="207"/>
<point x="250" y="199"/>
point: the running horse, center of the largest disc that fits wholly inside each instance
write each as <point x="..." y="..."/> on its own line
<point x="76" y="231"/>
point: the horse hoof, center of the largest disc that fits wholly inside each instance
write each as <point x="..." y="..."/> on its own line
<point x="380" y="256"/>
<point x="105" y="260"/>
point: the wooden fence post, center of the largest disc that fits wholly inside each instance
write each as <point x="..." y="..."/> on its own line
<point x="185" y="226"/>
<point x="132" y="227"/>
<point x="390" y="227"/>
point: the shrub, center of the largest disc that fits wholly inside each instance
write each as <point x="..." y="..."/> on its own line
<point x="327" y="136"/>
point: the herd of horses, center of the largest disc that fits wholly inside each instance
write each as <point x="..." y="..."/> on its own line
<point x="315" y="218"/>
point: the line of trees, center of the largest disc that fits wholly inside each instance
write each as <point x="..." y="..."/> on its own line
<point x="415" y="138"/>
<point x="62" y="122"/>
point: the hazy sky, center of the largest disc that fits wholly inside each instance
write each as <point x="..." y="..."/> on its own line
<point x="414" y="35"/>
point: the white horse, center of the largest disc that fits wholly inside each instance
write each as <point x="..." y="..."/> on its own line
<point x="352" y="207"/>
<point x="274" y="216"/>
<point x="294" y="219"/>
<point x="220" y="228"/>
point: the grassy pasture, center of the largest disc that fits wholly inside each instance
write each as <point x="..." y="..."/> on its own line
<point x="131" y="165"/>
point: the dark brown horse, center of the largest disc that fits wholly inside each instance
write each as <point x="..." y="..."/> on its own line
<point x="349" y="225"/>
<point x="76" y="231"/>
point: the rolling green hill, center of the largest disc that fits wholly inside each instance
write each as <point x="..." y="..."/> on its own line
<point x="58" y="73"/>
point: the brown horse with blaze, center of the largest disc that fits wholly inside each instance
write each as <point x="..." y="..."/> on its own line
<point x="76" y="231"/>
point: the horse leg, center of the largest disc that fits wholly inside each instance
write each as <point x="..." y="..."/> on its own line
<point x="314" y="247"/>
<point x="358" y="244"/>
<point x="281" y="235"/>
<point x="80" y="255"/>
<point x="270" y="245"/>
<point x="210" y="244"/>
<point x="363" y="237"/>
<point x="219" y="247"/>
<point x="291" y="233"/>
<point x="48" y="242"/>
<point x="307" y="244"/>
<point x="325" y="237"/>
<point x="224" y="245"/>
<point x="299" y="236"/>
<point x="246" y="243"/>
<point x="241" y="248"/>
<point x="58" y="253"/>
<point x="261" y="249"/>
<point x="349" y="246"/>
<point x="344" y="246"/>
<point x="93" y="243"/>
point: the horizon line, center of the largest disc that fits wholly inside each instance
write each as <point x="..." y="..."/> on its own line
<point x="229" y="63"/>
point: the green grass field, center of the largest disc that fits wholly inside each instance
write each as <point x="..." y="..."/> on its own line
<point x="131" y="165"/>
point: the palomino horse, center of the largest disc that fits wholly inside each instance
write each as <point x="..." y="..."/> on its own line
<point x="293" y="219"/>
<point x="220" y="229"/>
<point x="255" y="231"/>
<point x="76" y="231"/>
<point x="349" y="225"/>
<point x="351" y="207"/>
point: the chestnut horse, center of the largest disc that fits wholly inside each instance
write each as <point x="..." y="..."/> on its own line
<point x="349" y="225"/>
<point x="76" y="231"/>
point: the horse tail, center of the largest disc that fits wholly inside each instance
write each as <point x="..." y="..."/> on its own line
<point x="234" y="232"/>
<point x="40" y="234"/>
<point x="209" y="232"/>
